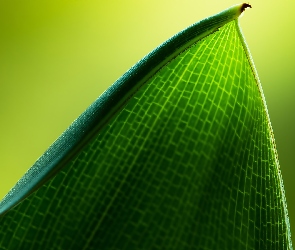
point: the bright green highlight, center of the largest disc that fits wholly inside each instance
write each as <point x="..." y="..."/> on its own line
<point x="188" y="163"/>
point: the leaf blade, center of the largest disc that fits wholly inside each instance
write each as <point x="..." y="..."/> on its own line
<point x="144" y="182"/>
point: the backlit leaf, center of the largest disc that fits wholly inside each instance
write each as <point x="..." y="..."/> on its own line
<point x="177" y="154"/>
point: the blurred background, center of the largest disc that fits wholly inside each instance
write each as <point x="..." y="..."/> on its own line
<point x="58" y="56"/>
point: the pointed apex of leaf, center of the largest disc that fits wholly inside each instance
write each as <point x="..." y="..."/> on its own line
<point x="245" y="6"/>
<point x="234" y="11"/>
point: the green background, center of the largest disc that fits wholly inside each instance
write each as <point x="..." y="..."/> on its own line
<point x="57" y="57"/>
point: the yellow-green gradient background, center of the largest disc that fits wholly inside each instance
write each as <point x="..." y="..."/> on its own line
<point x="58" y="56"/>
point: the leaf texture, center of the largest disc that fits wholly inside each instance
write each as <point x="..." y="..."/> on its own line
<point x="187" y="161"/>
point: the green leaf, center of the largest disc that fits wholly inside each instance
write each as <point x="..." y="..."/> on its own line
<point x="177" y="154"/>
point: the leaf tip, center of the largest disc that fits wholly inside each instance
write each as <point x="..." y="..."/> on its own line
<point x="245" y="6"/>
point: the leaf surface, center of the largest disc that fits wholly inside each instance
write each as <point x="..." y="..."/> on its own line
<point x="177" y="154"/>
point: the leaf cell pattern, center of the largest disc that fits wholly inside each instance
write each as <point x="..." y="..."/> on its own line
<point x="188" y="163"/>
